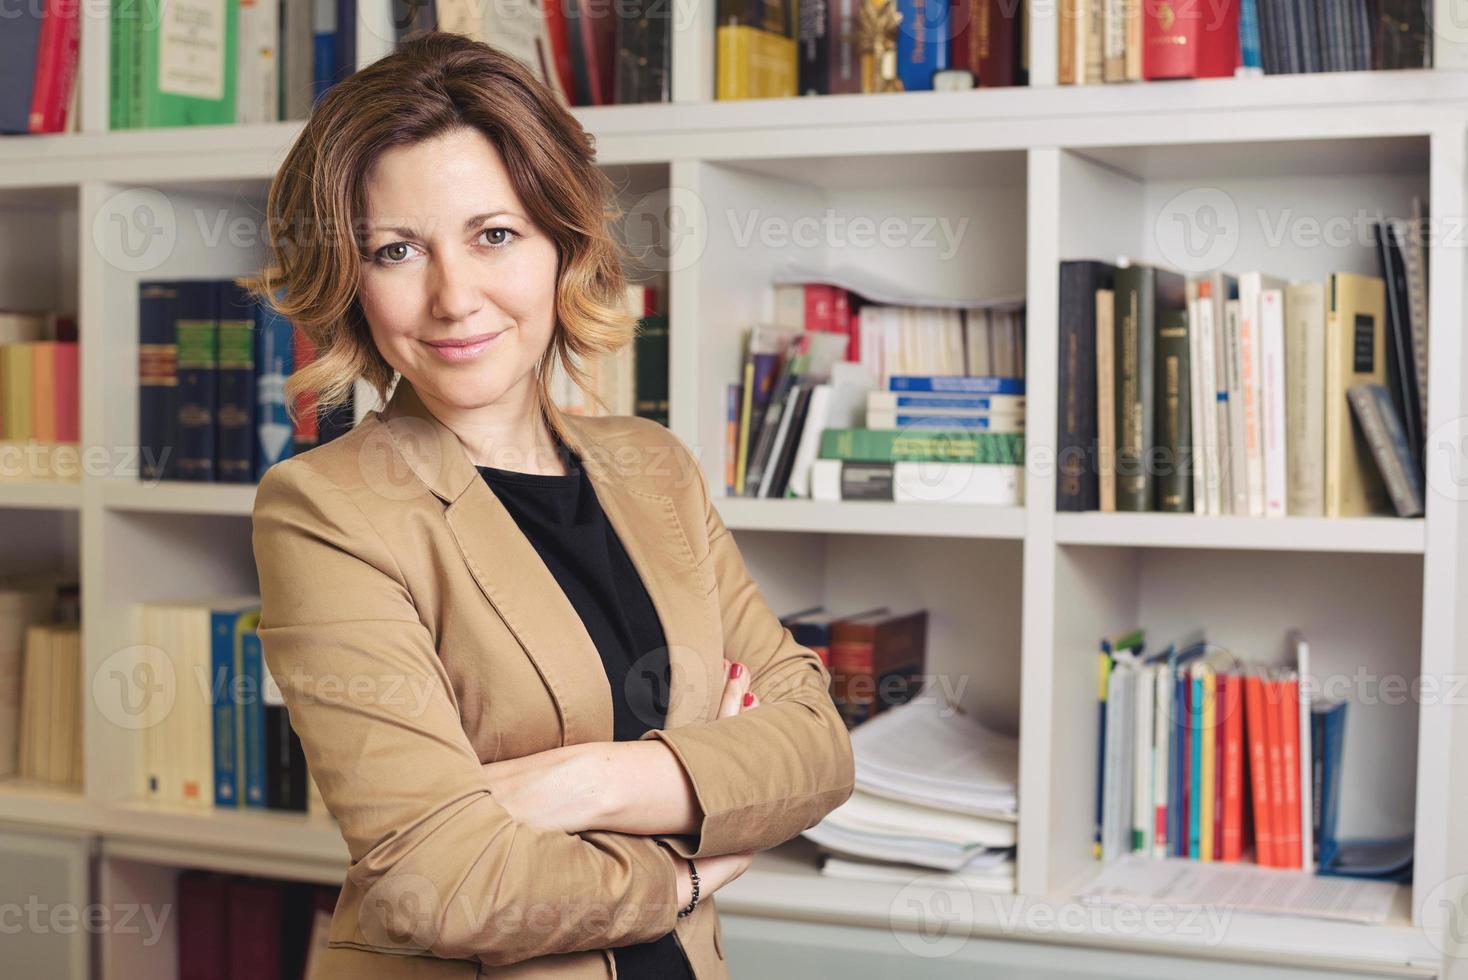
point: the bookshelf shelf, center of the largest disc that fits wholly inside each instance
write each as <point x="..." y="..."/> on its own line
<point x="40" y="495"/>
<point x="38" y="804"/>
<point x="179" y="497"/>
<point x="1387" y="535"/>
<point x="872" y="517"/>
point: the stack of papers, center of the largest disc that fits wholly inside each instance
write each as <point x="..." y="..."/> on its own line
<point x="934" y="790"/>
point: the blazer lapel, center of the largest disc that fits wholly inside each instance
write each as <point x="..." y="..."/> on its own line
<point x="526" y="596"/>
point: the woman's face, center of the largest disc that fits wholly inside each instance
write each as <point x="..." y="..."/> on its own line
<point x="458" y="286"/>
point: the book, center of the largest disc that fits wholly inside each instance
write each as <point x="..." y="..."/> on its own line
<point x="1354" y="354"/>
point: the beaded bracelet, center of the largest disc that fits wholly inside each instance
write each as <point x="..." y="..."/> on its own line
<point x="692" y="871"/>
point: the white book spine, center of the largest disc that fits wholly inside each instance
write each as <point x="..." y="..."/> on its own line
<point x="1143" y="739"/>
<point x="1272" y="420"/>
<point x="1238" y="461"/>
<point x="1162" y="751"/>
<point x="257" y="87"/>
<point x="1208" y="402"/>
<point x="1307" y="775"/>
<point x="1250" y="368"/>
<point x="1305" y="398"/>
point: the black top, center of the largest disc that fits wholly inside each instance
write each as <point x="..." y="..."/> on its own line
<point x="562" y="518"/>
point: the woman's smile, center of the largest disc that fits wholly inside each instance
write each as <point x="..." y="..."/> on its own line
<point x="467" y="349"/>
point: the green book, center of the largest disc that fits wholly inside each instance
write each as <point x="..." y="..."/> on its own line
<point x="924" y="445"/>
<point x="184" y="53"/>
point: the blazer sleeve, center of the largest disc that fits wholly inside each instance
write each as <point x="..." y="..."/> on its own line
<point x="445" y="868"/>
<point x="766" y="774"/>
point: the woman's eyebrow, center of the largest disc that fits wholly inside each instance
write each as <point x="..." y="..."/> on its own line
<point x="469" y="223"/>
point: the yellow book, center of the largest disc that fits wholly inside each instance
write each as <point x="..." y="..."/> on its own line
<point x="1210" y="755"/>
<point x="754" y="64"/>
<point x="747" y="399"/>
<point x="1355" y="352"/>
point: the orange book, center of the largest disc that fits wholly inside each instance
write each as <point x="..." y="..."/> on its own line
<point x="1289" y="727"/>
<point x="1259" y="770"/>
<point x="1274" y="752"/>
<point x="1232" y="837"/>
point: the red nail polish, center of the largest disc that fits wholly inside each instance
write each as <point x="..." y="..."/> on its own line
<point x="735" y="670"/>
<point x="748" y="698"/>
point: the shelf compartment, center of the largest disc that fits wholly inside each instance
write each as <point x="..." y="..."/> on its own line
<point x="1378" y="535"/>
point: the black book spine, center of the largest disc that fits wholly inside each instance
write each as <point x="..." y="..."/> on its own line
<point x="1134" y="325"/>
<point x="814" y="52"/>
<point x="1172" y="458"/>
<point x="1401" y="361"/>
<point x="1078" y="486"/>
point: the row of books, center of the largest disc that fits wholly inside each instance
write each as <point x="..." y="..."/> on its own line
<point x="212" y="365"/>
<point x="39" y="397"/>
<point x="39" y="50"/>
<point x="215" y="729"/>
<point x="774" y="50"/>
<point x="1121" y="41"/>
<point x="632" y="380"/>
<point x="41" y="679"/>
<point x="1206" y="756"/>
<point x="875" y="657"/>
<point x="935" y="797"/>
<point x="235" y="926"/>
<point x="1244" y="395"/>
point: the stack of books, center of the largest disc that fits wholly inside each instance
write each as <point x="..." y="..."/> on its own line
<point x="1247" y="394"/>
<point x="875" y="657"/>
<point x="40" y="426"/>
<point x="39" y="52"/>
<point x="233" y="925"/>
<point x="41" y="679"/>
<point x="935" y="795"/>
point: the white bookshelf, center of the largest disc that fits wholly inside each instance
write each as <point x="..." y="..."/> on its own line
<point x="1018" y="596"/>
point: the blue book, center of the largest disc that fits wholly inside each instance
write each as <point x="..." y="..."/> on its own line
<point x="20" y="43"/>
<point x="976" y="423"/>
<point x="1332" y="728"/>
<point x="222" y="687"/>
<point x="922" y="42"/>
<point x="274" y="362"/>
<point x="1195" y="791"/>
<point x="1249" y="55"/>
<point x="196" y="333"/>
<point x="252" y="719"/>
<point x="956" y="382"/>
<point x="955" y="400"/>
<point x="234" y="421"/>
<point x="157" y="381"/>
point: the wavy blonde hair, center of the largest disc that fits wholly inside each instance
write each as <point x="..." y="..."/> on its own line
<point x="434" y="83"/>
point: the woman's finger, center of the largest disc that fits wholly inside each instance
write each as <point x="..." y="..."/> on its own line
<point x="731" y="700"/>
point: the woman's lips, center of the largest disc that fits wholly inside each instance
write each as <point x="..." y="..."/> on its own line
<point x="457" y="351"/>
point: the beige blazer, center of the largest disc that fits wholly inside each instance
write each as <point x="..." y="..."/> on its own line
<point x="416" y="635"/>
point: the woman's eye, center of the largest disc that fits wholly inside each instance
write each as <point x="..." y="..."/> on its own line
<point x="508" y="235"/>
<point x="387" y="253"/>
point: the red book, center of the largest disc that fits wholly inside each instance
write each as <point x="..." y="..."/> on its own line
<point x="555" y="29"/>
<point x="1259" y="770"/>
<point x="56" y="58"/>
<point x="1289" y="718"/>
<point x="1274" y="753"/>
<point x="992" y="42"/>
<point x="1189" y="38"/>
<point x="67" y="390"/>
<point x="254" y="931"/>
<point x="203" y="925"/>
<point x="1231" y="841"/>
<point x="307" y="433"/>
<point x="599" y="48"/>
<point x="1220" y="688"/>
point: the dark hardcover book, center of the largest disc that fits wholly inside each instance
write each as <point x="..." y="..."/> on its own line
<point x="203" y="924"/>
<point x="196" y="331"/>
<point x="580" y="71"/>
<point x="1171" y="457"/>
<point x="786" y="463"/>
<point x="650" y="368"/>
<point x="1376" y="411"/>
<point x="1135" y="309"/>
<point x="1401" y="355"/>
<point x="1078" y="485"/>
<point x="993" y="40"/>
<point x="1402" y="35"/>
<point x="252" y="721"/>
<point x="876" y="662"/>
<point x="285" y="761"/>
<point x="158" y="448"/>
<point x="235" y="416"/>
<point x="643" y="54"/>
<point x="413" y="17"/>
<point x="20" y="45"/>
<point x="597" y="32"/>
<point x="844" y="60"/>
<point x="813" y="54"/>
<point x="255" y="915"/>
<point x="274" y="362"/>
<point x="344" y="50"/>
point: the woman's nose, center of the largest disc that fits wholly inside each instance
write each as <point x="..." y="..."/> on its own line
<point x="457" y="295"/>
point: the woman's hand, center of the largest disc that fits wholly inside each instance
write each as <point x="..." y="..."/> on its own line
<point x="736" y="688"/>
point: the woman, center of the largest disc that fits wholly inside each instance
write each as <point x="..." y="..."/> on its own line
<point x="533" y="680"/>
